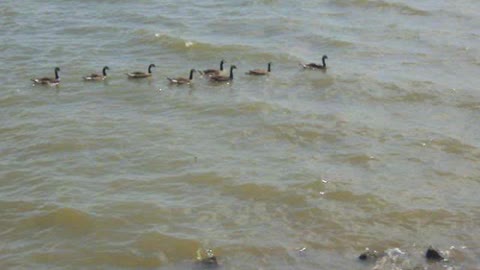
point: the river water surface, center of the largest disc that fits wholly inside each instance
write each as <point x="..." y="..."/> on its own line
<point x="295" y="170"/>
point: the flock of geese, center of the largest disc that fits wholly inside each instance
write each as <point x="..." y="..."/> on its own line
<point x="214" y="75"/>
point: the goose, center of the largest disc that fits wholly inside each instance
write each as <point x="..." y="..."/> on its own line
<point x="182" y="80"/>
<point x="48" y="81"/>
<point x="222" y="78"/>
<point x="213" y="72"/>
<point x="260" y="71"/>
<point x="139" y="74"/>
<point x="322" y="66"/>
<point x="96" y="76"/>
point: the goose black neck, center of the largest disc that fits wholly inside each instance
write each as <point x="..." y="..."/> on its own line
<point x="191" y="74"/>
<point x="231" y="73"/>
<point x="221" y="65"/>
<point x="269" y="67"/>
<point x="150" y="68"/>
<point x="56" y="74"/>
<point x="323" y="62"/>
<point x="104" y="71"/>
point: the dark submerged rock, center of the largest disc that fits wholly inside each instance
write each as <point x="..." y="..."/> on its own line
<point x="433" y="255"/>
<point x="368" y="255"/>
<point x="363" y="257"/>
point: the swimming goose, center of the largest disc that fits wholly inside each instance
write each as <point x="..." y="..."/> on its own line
<point x="48" y="81"/>
<point x="322" y="66"/>
<point x="139" y="74"/>
<point x="260" y="71"/>
<point x="182" y="80"/>
<point x="213" y="72"/>
<point x="222" y="78"/>
<point x="97" y="77"/>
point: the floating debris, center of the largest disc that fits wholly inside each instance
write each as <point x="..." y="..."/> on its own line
<point x="302" y="252"/>
<point x="208" y="262"/>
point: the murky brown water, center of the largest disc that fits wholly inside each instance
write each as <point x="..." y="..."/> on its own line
<point x="380" y="151"/>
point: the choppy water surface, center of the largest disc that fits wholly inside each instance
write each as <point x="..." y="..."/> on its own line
<point x="380" y="151"/>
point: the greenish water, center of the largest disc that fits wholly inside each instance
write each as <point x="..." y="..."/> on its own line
<point x="379" y="151"/>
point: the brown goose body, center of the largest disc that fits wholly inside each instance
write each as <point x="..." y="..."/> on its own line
<point x="96" y="76"/>
<point x="139" y="74"/>
<point x="182" y="80"/>
<point x="214" y="72"/>
<point x="322" y="66"/>
<point x="47" y="80"/>
<point x="260" y="72"/>
<point x="223" y="78"/>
